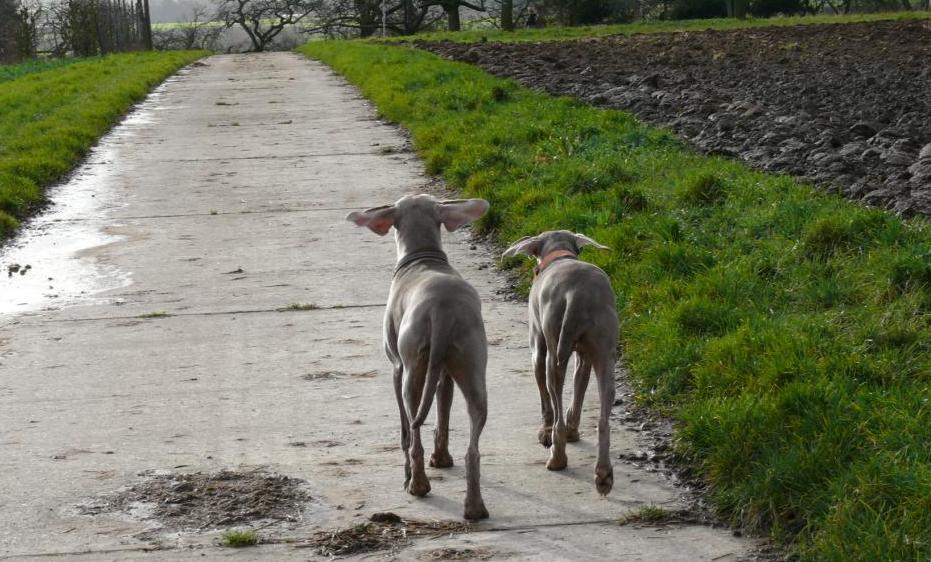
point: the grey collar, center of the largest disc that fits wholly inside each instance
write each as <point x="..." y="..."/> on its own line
<point x="410" y="259"/>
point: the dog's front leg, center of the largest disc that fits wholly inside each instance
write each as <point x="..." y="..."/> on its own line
<point x="555" y="377"/>
<point x="538" y="347"/>
<point x="419" y="484"/>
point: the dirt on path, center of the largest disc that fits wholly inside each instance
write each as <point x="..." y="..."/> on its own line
<point x="235" y="379"/>
<point x="844" y="106"/>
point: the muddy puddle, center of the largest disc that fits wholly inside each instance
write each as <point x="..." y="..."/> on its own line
<point x="51" y="263"/>
<point x="206" y="501"/>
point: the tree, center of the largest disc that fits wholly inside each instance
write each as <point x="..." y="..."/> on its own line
<point x="19" y="30"/>
<point x="344" y="18"/>
<point x="196" y="32"/>
<point x="507" y="15"/>
<point x="263" y="20"/>
<point x="451" y="7"/>
<point x="8" y="29"/>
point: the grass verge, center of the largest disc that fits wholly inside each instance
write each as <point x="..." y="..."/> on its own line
<point x="659" y="26"/>
<point x="52" y="116"/>
<point x="787" y="331"/>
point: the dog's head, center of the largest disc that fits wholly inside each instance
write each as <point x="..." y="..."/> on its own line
<point x="551" y="241"/>
<point x="418" y="217"/>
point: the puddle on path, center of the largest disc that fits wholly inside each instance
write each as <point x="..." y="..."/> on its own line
<point x="48" y="265"/>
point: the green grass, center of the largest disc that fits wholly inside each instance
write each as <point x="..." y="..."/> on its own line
<point x="564" y="33"/>
<point x="239" y="539"/>
<point x="788" y="332"/>
<point x="50" y="118"/>
<point x="12" y="71"/>
<point x="648" y="514"/>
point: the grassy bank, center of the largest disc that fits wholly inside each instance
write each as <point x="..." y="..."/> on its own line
<point x="787" y="331"/>
<point x="51" y="116"/>
<point x="564" y="33"/>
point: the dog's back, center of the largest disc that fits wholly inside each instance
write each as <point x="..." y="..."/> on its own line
<point x="434" y="299"/>
<point x="575" y="307"/>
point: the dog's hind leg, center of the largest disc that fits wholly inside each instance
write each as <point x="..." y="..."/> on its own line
<point x="476" y="398"/>
<point x="555" y="378"/>
<point x="604" y="371"/>
<point x="444" y="400"/>
<point x="583" y="370"/>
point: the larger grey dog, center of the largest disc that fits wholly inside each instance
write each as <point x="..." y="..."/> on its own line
<point x="434" y="334"/>
<point x="572" y="308"/>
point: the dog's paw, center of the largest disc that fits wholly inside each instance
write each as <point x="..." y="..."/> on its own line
<point x="572" y="434"/>
<point x="441" y="459"/>
<point x="558" y="461"/>
<point x="475" y="510"/>
<point x="545" y="436"/>
<point x="419" y="487"/>
<point x="604" y="479"/>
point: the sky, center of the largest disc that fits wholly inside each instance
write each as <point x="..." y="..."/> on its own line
<point x="174" y="10"/>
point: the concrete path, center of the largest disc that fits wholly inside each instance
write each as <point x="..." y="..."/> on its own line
<point x="224" y="197"/>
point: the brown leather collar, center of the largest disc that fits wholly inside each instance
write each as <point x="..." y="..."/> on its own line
<point x="550" y="258"/>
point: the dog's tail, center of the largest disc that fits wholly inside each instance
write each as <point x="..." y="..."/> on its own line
<point x="569" y="333"/>
<point x="437" y="353"/>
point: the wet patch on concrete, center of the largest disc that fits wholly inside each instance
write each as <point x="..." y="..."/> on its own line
<point x="54" y="261"/>
<point x="205" y="501"/>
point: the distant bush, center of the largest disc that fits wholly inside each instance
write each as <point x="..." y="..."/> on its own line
<point x="697" y="9"/>
<point x="769" y="8"/>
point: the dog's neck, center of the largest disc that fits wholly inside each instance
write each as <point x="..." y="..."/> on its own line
<point x="550" y="257"/>
<point x="424" y="243"/>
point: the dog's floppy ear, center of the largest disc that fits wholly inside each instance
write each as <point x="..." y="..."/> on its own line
<point x="529" y="245"/>
<point x="459" y="212"/>
<point x="378" y="219"/>
<point x="581" y="240"/>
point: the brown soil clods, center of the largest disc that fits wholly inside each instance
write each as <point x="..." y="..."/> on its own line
<point x="451" y="553"/>
<point x="384" y="531"/>
<point x="844" y="106"/>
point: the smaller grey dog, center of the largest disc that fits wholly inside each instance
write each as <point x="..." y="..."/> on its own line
<point x="572" y="309"/>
